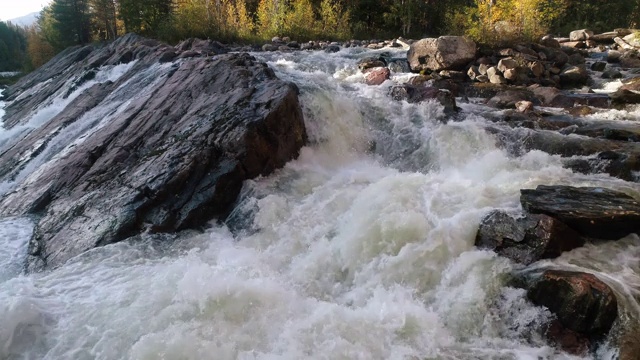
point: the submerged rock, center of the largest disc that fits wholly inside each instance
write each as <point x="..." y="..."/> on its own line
<point x="173" y="156"/>
<point x="581" y="301"/>
<point x="526" y="239"/>
<point x="416" y="94"/>
<point x="591" y="211"/>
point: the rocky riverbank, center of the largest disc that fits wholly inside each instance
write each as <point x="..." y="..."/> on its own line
<point x="163" y="138"/>
<point x="546" y="102"/>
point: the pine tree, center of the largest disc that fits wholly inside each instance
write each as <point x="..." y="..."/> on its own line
<point x="104" y="19"/>
<point x="72" y="21"/>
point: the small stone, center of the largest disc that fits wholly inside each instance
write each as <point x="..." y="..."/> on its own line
<point x="524" y="106"/>
<point x="598" y="66"/>
<point x="507" y="63"/>
<point x="497" y="79"/>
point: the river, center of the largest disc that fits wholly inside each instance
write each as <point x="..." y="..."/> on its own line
<point x="362" y="248"/>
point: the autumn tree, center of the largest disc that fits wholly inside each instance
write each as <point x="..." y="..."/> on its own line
<point x="39" y="49"/>
<point x="507" y="21"/>
<point x="334" y="20"/>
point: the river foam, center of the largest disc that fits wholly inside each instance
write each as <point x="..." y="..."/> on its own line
<point x="362" y="248"/>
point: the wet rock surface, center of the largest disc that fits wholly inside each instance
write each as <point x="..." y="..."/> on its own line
<point x="416" y="94"/>
<point x="172" y="157"/>
<point x="581" y="301"/>
<point x="592" y="212"/>
<point x="526" y="239"/>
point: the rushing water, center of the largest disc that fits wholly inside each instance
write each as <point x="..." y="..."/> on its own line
<point x="362" y="248"/>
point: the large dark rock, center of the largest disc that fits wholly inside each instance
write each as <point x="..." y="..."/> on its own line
<point x="581" y="301"/>
<point x="175" y="142"/>
<point x="526" y="239"/>
<point x="371" y="62"/>
<point x="616" y="158"/>
<point x="593" y="212"/>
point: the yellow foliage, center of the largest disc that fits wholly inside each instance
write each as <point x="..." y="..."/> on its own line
<point x="507" y="21"/>
<point x="334" y="19"/>
<point x="40" y="50"/>
<point x="300" y="20"/>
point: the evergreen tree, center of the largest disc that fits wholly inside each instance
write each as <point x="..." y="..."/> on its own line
<point x="104" y="19"/>
<point x="13" y="47"/>
<point x="72" y="21"/>
<point x="144" y="16"/>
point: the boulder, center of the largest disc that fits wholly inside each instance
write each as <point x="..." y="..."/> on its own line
<point x="616" y="158"/>
<point x="526" y="239"/>
<point x="371" y="62"/>
<point x="576" y="59"/>
<point x="573" y="342"/>
<point x="524" y="106"/>
<point x="574" y="45"/>
<point x="622" y="97"/>
<point x="473" y="72"/>
<point x="549" y="41"/>
<point x="574" y="76"/>
<point x="591" y="211"/>
<point x="174" y="145"/>
<point x="506" y="63"/>
<point x="632" y="40"/>
<point x="580" y="35"/>
<point x="377" y="75"/>
<point x="399" y="66"/>
<point x="443" y="53"/>
<point x="611" y="74"/>
<point x="631" y="84"/>
<point x="613" y="56"/>
<point x="537" y="68"/>
<point x="598" y="66"/>
<point x="497" y="79"/>
<point x="630" y="59"/>
<point x="269" y="47"/>
<point x="553" y="55"/>
<point x="416" y="94"/>
<point x="581" y="301"/>
<point x="606" y="37"/>
<point x="507" y="99"/>
<point x="332" y="48"/>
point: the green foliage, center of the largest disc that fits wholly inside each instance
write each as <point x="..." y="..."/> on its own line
<point x="13" y="47"/>
<point x="146" y="17"/>
<point x="72" y="20"/>
<point x="104" y="20"/>
<point x="334" y="20"/>
<point x="597" y="15"/>
<point x="492" y="22"/>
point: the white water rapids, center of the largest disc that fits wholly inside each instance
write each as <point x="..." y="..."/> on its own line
<point x="352" y="251"/>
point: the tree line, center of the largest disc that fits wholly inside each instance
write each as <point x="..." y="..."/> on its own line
<point x="65" y="23"/>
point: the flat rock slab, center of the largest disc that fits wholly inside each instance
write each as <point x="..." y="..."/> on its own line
<point x="591" y="211"/>
<point x="526" y="239"/>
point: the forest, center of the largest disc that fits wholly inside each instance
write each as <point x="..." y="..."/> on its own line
<point x="66" y="23"/>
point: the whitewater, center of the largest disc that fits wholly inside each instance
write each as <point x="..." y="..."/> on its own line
<point x="362" y="248"/>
